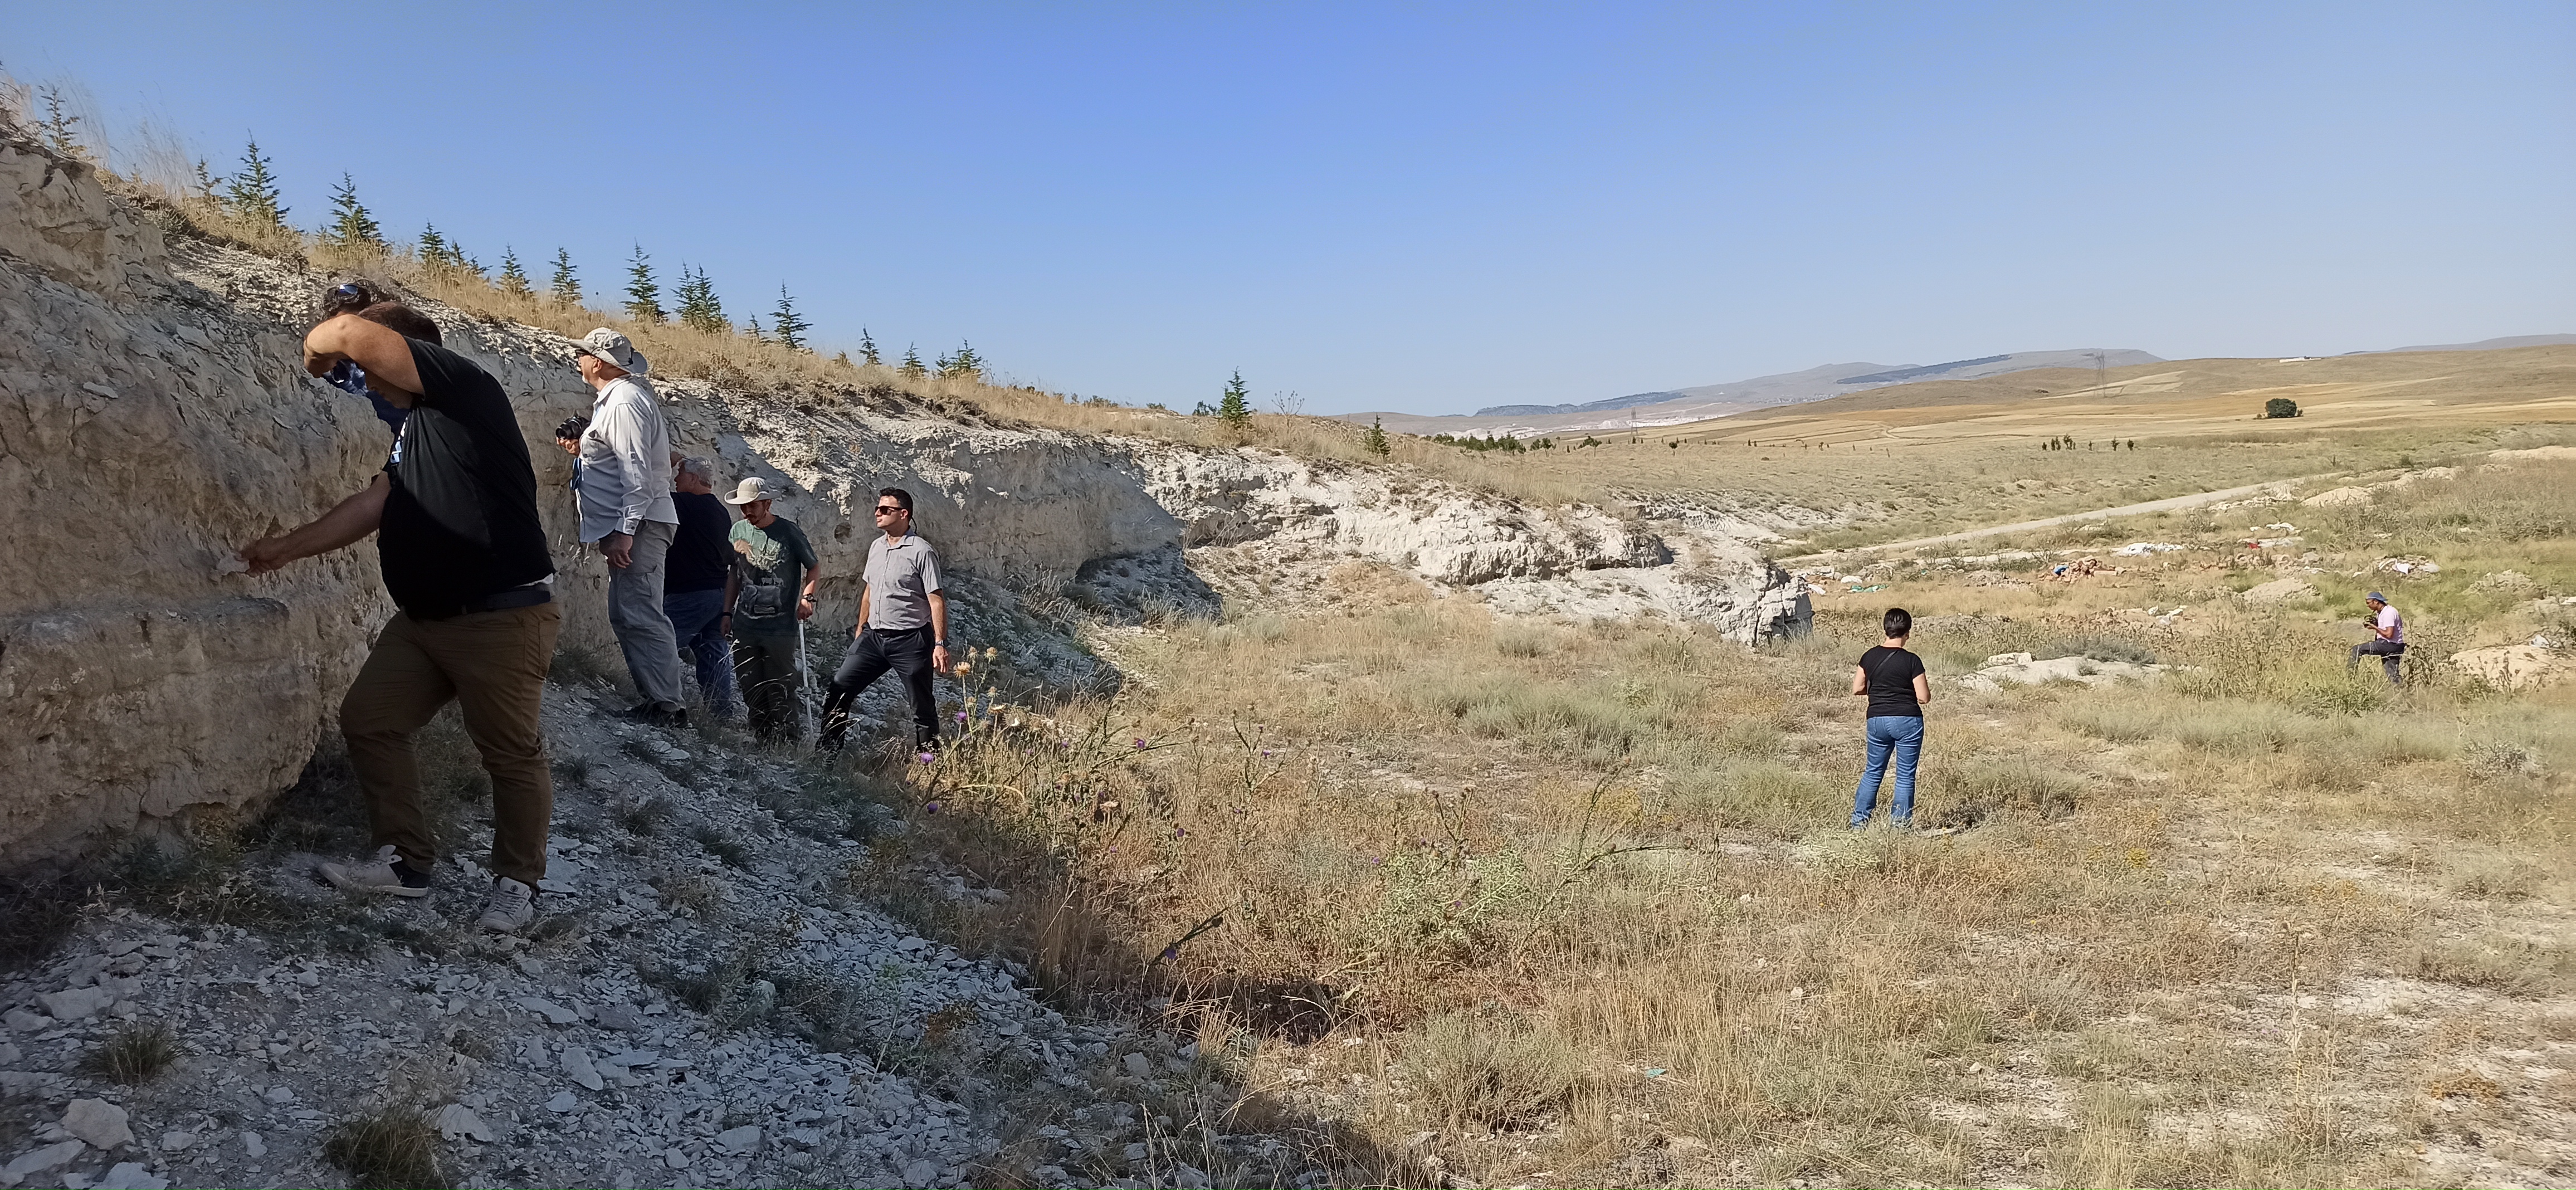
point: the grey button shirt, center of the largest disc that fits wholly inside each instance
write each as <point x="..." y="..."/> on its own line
<point x="902" y="572"/>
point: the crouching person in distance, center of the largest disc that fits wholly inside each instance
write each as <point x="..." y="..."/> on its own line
<point x="903" y="626"/>
<point x="457" y="537"/>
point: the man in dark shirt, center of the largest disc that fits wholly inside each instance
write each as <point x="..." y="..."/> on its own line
<point x="464" y="557"/>
<point x="767" y="602"/>
<point x="693" y="581"/>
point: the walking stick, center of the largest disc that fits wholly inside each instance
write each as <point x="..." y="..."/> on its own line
<point x="804" y="689"/>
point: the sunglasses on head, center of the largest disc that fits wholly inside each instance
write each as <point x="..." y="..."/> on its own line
<point x="346" y="291"/>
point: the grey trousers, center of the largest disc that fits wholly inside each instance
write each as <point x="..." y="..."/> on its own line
<point x="635" y="611"/>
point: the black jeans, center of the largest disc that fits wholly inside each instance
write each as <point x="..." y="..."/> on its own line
<point x="906" y="651"/>
<point x="2388" y="652"/>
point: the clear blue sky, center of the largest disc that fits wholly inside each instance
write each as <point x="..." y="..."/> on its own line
<point x="1429" y="207"/>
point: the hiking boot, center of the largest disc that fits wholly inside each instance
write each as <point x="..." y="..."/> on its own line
<point x="509" y="908"/>
<point x="386" y="873"/>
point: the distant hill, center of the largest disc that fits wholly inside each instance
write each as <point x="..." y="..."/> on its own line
<point x="1700" y="402"/>
<point x="2489" y="344"/>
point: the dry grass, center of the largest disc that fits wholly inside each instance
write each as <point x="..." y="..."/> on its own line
<point x="136" y="1054"/>
<point x="1580" y="887"/>
<point x="389" y="1149"/>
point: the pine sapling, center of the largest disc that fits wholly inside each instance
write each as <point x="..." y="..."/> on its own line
<point x="565" y="286"/>
<point x="514" y="277"/>
<point x="352" y="228"/>
<point x="1235" y="408"/>
<point x="643" y="294"/>
<point x="789" y="326"/>
<point x="252" y="194"/>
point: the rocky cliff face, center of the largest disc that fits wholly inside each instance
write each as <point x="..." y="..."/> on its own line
<point x="154" y="416"/>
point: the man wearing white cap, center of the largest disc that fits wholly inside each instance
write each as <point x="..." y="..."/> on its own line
<point x="625" y="487"/>
<point x="770" y="594"/>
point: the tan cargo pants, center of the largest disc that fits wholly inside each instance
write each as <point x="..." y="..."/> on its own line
<point x="494" y="665"/>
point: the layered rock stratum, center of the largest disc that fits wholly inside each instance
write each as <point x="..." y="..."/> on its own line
<point x="154" y="416"/>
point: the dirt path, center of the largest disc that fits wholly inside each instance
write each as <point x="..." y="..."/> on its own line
<point x="2279" y="487"/>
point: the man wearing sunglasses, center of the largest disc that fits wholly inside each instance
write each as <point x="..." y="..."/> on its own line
<point x="903" y="626"/>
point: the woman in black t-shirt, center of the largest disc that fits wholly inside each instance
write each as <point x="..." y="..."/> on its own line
<point x="1894" y="681"/>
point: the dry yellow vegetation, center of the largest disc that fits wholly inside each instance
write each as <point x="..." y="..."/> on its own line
<point x="1517" y="902"/>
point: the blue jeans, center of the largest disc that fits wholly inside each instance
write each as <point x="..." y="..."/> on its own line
<point x="698" y="618"/>
<point x="1903" y="735"/>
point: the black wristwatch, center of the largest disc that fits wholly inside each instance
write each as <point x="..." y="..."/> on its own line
<point x="939" y="644"/>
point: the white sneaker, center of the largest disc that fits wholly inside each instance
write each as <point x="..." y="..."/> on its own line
<point x="510" y="908"/>
<point x="386" y="873"/>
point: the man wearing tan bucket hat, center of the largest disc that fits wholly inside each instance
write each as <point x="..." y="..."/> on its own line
<point x="625" y="486"/>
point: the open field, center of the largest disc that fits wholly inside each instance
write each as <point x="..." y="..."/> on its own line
<point x="1919" y="459"/>
<point x="1531" y="903"/>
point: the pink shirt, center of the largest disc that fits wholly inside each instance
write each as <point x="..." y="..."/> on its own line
<point x="2392" y="623"/>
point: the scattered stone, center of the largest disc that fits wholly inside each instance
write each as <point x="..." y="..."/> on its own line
<point x="22" y="1021"/>
<point x="563" y="1101"/>
<point x="2020" y="670"/>
<point x="130" y="1175"/>
<point x="457" y="1121"/>
<point x="1137" y="1066"/>
<point x="741" y="1140"/>
<point x="2515" y="667"/>
<point x="920" y="1174"/>
<point x="280" y="1093"/>
<point x="622" y="1017"/>
<point x="2280" y="590"/>
<point x="178" y="1142"/>
<point x="77" y="1004"/>
<point x="576" y="1062"/>
<point x="36" y="1161"/>
<point x="555" y="1014"/>
<point x="99" y="1122"/>
<point x="253" y="1145"/>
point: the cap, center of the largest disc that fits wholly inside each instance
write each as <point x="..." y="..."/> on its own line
<point x="614" y="348"/>
<point x="2374" y="597"/>
<point x="753" y="488"/>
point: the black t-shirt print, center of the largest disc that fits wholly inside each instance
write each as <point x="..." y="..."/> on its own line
<point x="1891" y="675"/>
<point x="461" y="520"/>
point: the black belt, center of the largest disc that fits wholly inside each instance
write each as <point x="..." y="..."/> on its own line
<point x="499" y="601"/>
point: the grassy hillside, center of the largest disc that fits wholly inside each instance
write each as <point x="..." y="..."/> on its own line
<point x="1573" y="904"/>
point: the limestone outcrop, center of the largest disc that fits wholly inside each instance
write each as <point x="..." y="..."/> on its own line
<point x="154" y="416"/>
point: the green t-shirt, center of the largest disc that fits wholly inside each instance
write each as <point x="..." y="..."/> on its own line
<point x="772" y="562"/>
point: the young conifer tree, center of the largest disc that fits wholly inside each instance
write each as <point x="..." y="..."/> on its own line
<point x="252" y="194"/>
<point x="1375" y="441"/>
<point x="57" y="125"/>
<point x="1236" y="407"/>
<point x="565" y="286"/>
<point x="514" y="277"/>
<point x="787" y="324"/>
<point x="352" y="228"/>
<point x="963" y="365"/>
<point x="868" y="348"/>
<point x="204" y="180"/>
<point x="912" y="363"/>
<point x="433" y="247"/>
<point x="699" y="309"/>
<point x="643" y="294"/>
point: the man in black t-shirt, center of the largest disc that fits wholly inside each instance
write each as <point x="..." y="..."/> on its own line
<point x="1893" y="678"/>
<point x="457" y="538"/>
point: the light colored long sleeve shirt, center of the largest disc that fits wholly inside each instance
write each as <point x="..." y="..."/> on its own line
<point x="625" y="474"/>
